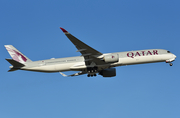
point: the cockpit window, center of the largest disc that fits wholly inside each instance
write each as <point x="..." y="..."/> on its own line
<point x="168" y="52"/>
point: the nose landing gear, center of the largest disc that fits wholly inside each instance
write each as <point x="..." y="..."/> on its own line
<point x="170" y="64"/>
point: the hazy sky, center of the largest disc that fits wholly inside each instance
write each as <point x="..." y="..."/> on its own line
<point x="138" y="91"/>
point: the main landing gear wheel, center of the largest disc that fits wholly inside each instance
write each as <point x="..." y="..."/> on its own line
<point x="92" y="71"/>
<point x="89" y="75"/>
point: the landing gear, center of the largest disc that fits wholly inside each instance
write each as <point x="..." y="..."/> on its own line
<point x="92" y="71"/>
<point x="91" y="75"/>
<point x="170" y="64"/>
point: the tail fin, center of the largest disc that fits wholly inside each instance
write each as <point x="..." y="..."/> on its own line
<point x="16" y="54"/>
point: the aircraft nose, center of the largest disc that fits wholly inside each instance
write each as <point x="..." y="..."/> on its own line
<point x="174" y="56"/>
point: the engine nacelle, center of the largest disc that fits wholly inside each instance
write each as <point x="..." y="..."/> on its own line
<point x="108" y="72"/>
<point x="111" y="58"/>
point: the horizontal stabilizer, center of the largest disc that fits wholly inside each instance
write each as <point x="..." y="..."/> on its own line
<point x="15" y="63"/>
<point x="12" y="69"/>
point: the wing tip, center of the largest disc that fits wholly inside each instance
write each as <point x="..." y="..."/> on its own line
<point x="65" y="31"/>
<point x="63" y="74"/>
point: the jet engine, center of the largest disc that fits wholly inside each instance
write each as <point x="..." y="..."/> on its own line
<point x="111" y="58"/>
<point x="108" y="72"/>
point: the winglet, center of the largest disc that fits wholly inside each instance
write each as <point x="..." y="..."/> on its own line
<point x="76" y="74"/>
<point x="65" y="31"/>
<point x="63" y="74"/>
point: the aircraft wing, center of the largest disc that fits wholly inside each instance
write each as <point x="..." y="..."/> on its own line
<point x="90" y="55"/>
<point x="76" y="74"/>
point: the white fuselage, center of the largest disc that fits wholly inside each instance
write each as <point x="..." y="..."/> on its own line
<point x="78" y="63"/>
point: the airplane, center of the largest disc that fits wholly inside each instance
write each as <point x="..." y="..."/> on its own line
<point x="91" y="61"/>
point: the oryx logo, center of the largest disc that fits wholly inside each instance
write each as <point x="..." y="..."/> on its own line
<point x="16" y="55"/>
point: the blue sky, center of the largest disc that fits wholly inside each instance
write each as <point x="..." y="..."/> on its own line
<point x="138" y="91"/>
